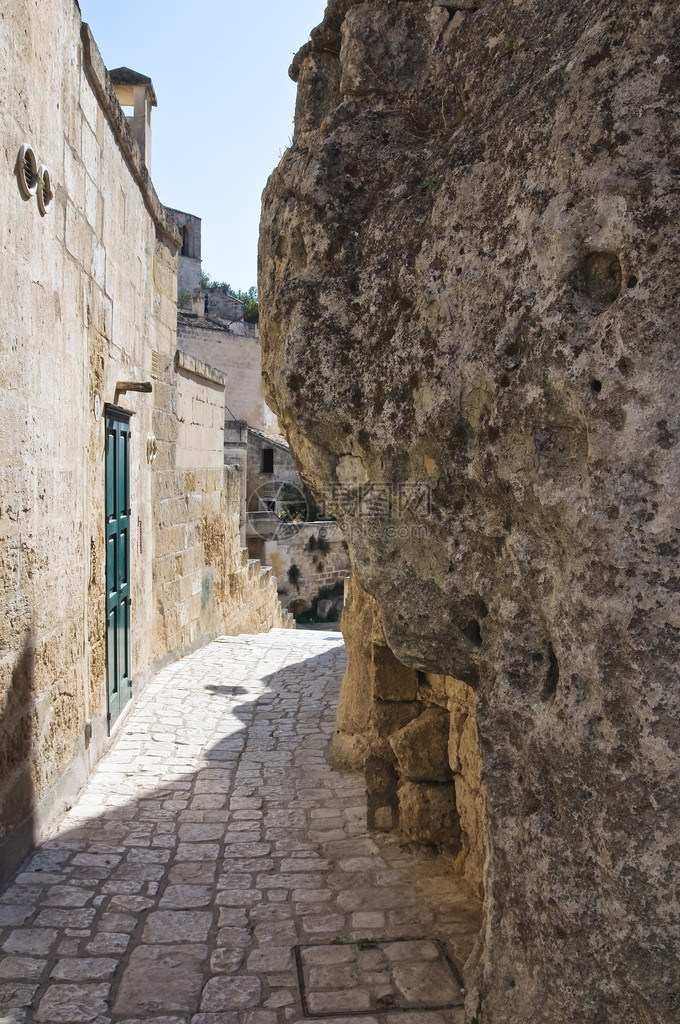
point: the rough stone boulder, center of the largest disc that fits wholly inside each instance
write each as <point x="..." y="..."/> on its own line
<point x="422" y="747"/>
<point x="468" y="284"/>
<point x="427" y="812"/>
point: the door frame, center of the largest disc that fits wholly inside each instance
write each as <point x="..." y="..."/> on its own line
<point x="117" y="522"/>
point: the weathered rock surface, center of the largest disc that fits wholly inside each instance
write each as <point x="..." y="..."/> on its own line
<point x="350" y="742"/>
<point x="469" y="262"/>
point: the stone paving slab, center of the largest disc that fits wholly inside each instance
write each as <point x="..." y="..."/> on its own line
<point x="214" y="851"/>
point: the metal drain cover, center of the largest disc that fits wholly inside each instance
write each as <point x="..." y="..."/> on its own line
<point x="352" y="978"/>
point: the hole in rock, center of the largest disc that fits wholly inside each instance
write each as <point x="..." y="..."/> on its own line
<point x="599" y="278"/>
<point x="553" y="675"/>
<point x="473" y="632"/>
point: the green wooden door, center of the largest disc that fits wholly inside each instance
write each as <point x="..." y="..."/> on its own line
<point x="118" y="682"/>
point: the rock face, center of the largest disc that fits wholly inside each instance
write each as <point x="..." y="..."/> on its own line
<point x="469" y="262"/>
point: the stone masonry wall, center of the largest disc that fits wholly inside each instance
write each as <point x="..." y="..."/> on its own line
<point x="88" y="300"/>
<point x="86" y="294"/>
<point x="238" y="356"/>
<point x="415" y="736"/>
<point x="320" y="564"/>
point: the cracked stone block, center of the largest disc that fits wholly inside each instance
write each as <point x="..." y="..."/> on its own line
<point x="15" y="994"/>
<point x="347" y="1000"/>
<point x="226" y="961"/>
<point x="397" y="951"/>
<point x="22" y="967"/>
<point x="430" y="985"/>
<point x="189" y="873"/>
<point x="162" y="978"/>
<point x="84" y="969"/>
<point x="108" y="942"/>
<point x="67" y="896"/>
<point x="186" y="896"/>
<point x="30" y="940"/>
<point x="276" y="959"/>
<point x="168" y="925"/>
<point x="14" y="915"/>
<point x="378" y="976"/>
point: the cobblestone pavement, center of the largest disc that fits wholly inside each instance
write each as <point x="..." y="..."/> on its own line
<point x="217" y="871"/>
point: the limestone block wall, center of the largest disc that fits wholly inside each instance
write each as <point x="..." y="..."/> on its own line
<point x="238" y="355"/>
<point x="86" y="295"/>
<point x="88" y="303"/>
<point x="320" y="563"/>
<point x="200" y="414"/>
<point x="414" y="734"/>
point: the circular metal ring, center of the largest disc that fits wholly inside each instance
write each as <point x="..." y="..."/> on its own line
<point x="27" y="172"/>
<point x="45" y="193"/>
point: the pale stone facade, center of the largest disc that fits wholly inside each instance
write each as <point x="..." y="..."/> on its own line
<point x="87" y="326"/>
<point x="319" y="553"/>
<point x="238" y="354"/>
<point x="189" y="260"/>
<point x="214" y="331"/>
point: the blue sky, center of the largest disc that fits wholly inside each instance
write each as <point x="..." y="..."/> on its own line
<point x="225" y="106"/>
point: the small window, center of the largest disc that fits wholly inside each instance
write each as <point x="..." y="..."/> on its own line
<point x="187" y="242"/>
<point x="267" y="460"/>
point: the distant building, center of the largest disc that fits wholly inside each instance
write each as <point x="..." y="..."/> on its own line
<point x="211" y="326"/>
<point x="189" y="262"/>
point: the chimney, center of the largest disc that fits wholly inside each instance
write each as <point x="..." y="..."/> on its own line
<point x="136" y="95"/>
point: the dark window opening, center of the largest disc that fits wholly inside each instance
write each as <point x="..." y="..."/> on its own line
<point x="267" y="460"/>
<point x="187" y="242"/>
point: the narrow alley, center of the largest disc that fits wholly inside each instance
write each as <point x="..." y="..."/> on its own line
<point x="216" y="870"/>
